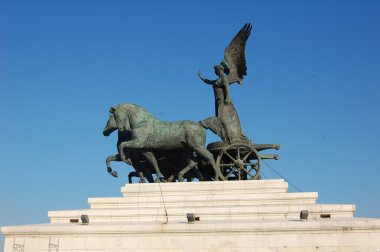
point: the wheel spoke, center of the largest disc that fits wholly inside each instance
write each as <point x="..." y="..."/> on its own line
<point x="229" y="174"/>
<point x="246" y="171"/>
<point x="247" y="155"/>
<point x="239" y="162"/>
<point x="226" y="165"/>
<point x="228" y="155"/>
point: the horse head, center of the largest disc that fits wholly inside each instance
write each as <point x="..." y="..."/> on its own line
<point x="130" y="116"/>
<point x="120" y="115"/>
<point x="111" y="126"/>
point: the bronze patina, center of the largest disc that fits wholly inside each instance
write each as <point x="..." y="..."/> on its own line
<point x="176" y="150"/>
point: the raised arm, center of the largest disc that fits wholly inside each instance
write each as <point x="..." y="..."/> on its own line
<point x="210" y="82"/>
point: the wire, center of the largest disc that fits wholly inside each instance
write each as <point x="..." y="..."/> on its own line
<point x="263" y="175"/>
<point x="282" y="176"/>
<point x="162" y="196"/>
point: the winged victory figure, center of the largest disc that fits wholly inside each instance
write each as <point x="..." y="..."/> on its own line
<point x="231" y="70"/>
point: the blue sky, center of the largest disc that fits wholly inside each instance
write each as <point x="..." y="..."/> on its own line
<point x="313" y="86"/>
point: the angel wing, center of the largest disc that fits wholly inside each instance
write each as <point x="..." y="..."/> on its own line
<point x="234" y="55"/>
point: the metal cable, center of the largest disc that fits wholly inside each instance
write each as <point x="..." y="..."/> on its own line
<point x="162" y="197"/>
<point x="282" y="176"/>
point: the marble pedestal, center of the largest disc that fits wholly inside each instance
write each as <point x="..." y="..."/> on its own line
<point x="231" y="216"/>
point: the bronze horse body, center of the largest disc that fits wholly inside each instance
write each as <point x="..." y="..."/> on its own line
<point x="149" y="135"/>
<point x="172" y="161"/>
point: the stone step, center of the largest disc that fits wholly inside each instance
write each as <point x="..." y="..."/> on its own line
<point x="204" y="213"/>
<point x="205" y="187"/>
<point x="245" y="199"/>
<point x="339" y="234"/>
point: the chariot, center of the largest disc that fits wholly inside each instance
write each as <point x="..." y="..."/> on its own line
<point x="182" y="143"/>
<point x="237" y="157"/>
<point x="241" y="160"/>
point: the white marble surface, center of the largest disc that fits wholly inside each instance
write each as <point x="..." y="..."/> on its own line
<point x="210" y="199"/>
<point x="234" y="216"/>
<point x="346" y="234"/>
<point x="205" y="213"/>
<point x="231" y="200"/>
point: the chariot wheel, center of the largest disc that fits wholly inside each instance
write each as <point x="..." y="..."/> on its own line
<point x="239" y="161"/>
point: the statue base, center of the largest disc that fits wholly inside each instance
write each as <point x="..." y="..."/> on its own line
<point x="228" y="216"/>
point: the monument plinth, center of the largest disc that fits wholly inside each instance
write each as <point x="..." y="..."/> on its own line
<point x="251" y="215"/>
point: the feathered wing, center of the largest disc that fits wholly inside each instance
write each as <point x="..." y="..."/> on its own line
<point x="234" y="55"/>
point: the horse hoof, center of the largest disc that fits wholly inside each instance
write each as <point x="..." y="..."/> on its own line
<point x="114" y="174"/>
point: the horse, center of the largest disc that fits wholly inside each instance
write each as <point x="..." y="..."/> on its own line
<point x="170" y="160"/>
<point x="149" y="134"/>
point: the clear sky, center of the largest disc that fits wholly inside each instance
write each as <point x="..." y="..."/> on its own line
<point x="313" y="86"/>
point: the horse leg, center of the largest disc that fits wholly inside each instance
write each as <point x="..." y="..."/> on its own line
<point x="148" y="176"/>
<point x="141" y="175"/>
<point x="171" y="178"/>
<point x="198" y="174"/>
<point x="138" y="174"/>
<point x="108" y="163"/>
<point x="145" y="170"/>
<point x="132" y="174"/>
<point x="202" y="151"/>
<point x="132" y="144"/>
<point x="152" y="159"/>
<point x="189" y="166"/>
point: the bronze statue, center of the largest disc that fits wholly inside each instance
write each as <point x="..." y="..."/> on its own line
<point x="151" y="146"/>
<point x="174" y="164"/>
<point x="141" y="170"/>
<point x="221" y="88"/>
<point x="150" y="135"/>
<point x="230" y="70"/>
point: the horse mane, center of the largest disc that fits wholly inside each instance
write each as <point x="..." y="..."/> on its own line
<point x="138" y="110"/>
